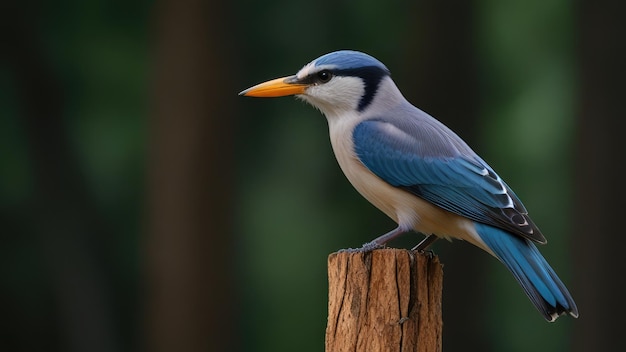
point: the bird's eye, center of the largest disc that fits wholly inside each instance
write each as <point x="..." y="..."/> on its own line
<point x="324" y="76"/>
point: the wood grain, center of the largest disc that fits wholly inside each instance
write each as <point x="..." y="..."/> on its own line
<point x="384" y="300"/>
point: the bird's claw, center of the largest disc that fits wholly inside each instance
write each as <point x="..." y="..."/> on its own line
<point x="370" y="246"/>
<point x="367" y="247"/>
<point x="427" y="252"/>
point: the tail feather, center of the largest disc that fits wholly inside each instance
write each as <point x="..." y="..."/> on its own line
<point x="541" y="284"/>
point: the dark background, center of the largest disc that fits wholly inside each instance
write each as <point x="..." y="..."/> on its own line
<point x="144" y="206"/>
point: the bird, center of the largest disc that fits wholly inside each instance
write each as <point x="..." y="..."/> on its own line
<point x="419" y="172"/>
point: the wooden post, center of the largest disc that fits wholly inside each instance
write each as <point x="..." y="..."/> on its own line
<point x="384" y="300"/>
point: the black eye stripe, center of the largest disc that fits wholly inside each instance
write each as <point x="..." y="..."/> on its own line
<point x="322" y="76"/>
<point x="371" y="76"/>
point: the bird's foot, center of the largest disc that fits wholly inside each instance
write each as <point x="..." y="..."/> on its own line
<point x="422" y="247"/>
<point x="370" y="246"/>
<point x="367" y="247"/>
<point x="378" y="242"/>
<point x="427" y="252"/>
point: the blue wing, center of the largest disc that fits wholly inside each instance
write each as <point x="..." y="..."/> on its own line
<point x="430" y="161"/>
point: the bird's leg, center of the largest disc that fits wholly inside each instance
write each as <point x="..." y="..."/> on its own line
<point x="426" y="242"/>
<point x="380" y="241"/>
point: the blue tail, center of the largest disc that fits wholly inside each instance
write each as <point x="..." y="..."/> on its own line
<point x="532" y="271"/>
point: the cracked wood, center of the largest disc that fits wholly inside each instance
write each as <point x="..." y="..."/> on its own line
<point x="384" y="300"/>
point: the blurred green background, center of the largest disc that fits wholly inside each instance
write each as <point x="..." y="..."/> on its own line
<point x="146" y="207"/>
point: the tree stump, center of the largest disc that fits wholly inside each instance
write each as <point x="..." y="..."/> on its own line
<point x="384" y="300"/>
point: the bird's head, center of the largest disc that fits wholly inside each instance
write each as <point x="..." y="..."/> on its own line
<point x="336" y="83"/>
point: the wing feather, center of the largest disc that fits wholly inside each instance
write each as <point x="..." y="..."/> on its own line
<point x="450" y="176"/>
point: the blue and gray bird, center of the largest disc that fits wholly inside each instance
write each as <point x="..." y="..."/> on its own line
<point x="420" y="173"/>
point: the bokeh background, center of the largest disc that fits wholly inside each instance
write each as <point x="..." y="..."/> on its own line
<point x="144" y="206"/>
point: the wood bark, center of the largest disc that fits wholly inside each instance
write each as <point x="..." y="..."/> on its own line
<point x="384" y="300"/>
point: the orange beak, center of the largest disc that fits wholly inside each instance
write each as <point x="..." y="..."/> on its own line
<point x="278" y="87"/>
